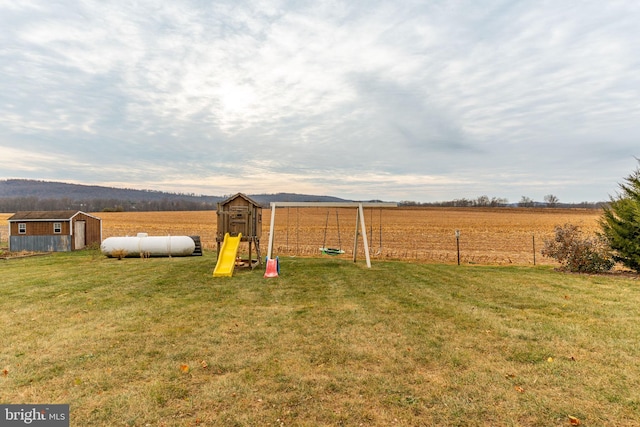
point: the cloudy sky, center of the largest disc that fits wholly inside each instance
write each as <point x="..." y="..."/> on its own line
<point x="425" y="100"/>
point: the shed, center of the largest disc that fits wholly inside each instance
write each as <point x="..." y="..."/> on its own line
<point x="240" y="214"/>
<point x="53" y="231"/>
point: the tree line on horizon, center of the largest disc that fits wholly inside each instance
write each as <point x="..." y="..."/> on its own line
<point x="17" y="204"/>
<point x="550" y="201"/>
<point x="32" y="203"/>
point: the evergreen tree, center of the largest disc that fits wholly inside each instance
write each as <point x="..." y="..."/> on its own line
<point x="620" y="222"/>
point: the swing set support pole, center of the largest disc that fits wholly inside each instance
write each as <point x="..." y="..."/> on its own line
<point x="360" y="224"/>
<point x="271" y="231"/>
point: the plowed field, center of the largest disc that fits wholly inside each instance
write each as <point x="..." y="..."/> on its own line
<point x="487" y="236"/>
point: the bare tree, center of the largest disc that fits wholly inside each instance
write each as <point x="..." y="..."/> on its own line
<point x="551" y="200"/>
<point x="499" y="201"/>
<point x="526" y="202"/>
<point x="483" y="201"/>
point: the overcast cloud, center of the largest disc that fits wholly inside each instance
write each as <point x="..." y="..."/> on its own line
<point x="392" y="100"/>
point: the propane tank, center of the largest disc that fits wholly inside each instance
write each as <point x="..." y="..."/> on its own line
<point x="145" y="245"/>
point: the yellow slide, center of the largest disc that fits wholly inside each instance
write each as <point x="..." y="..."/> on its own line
<point x="227" y="256"/>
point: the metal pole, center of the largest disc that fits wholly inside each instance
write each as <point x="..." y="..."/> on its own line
<point x="458" y="244"/>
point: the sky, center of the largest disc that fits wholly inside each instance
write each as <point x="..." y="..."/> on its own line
<point x="399" y="100"/>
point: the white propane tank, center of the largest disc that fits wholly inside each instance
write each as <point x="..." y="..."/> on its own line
<point x="148" y="246"/>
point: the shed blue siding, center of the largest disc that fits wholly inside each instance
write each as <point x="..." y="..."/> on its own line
<point x="40" y="243"/>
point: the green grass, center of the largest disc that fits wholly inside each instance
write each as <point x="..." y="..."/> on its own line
<point x="161" y="342"/>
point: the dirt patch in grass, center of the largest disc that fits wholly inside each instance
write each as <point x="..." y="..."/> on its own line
<point x="6" y="254"/>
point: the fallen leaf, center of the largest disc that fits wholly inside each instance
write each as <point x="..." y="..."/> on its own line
<point x="184" y="368"/>
<point x="5" y="373"/>
<point x="573" y="359"/>
<point x="550" y="359"/>
<point x="519" y="389"/>
<point x="574" y="421"/>
<point x="204" y="364"/>
<point x="509" y="376"/>
<point x="566" y="297"/>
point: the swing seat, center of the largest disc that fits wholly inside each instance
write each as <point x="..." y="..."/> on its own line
<point x="331" y="251"/>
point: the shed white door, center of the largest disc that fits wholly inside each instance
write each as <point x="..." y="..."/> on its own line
<point x="79" y="231"/>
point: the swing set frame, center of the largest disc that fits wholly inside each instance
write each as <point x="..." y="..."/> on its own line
<point x="360" y="220"/>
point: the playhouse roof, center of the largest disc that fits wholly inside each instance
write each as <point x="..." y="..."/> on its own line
<point x="244" y="196"/>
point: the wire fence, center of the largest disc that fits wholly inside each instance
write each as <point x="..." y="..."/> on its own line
<point x="491" y="236"/>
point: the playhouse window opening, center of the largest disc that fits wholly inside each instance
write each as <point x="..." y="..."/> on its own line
<point x="57" y="227"/>
<point x="22" y="228"/>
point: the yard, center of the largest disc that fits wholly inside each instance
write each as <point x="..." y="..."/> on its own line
<point x="160" y="342"/>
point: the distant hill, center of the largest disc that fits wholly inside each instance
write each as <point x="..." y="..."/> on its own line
<point x="25" y="194"/>
<point x="58" y="190"/>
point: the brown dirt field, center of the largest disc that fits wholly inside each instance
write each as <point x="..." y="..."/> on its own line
<point x="487" y="236"/>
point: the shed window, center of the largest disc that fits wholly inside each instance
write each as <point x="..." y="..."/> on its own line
<point x="22" y="228"/>
<point x="57" y="227"/>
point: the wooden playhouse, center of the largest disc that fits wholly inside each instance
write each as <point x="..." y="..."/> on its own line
<point x="240" y="214"/>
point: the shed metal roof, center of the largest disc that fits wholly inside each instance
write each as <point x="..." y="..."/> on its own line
<point x="46" y="215"/>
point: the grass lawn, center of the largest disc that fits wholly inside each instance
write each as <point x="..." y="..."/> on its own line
<point x="160" y="342"/>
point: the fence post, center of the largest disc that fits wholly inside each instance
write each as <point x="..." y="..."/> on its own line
<point x="458" y="244"/>
<point x="533" y="237"/>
